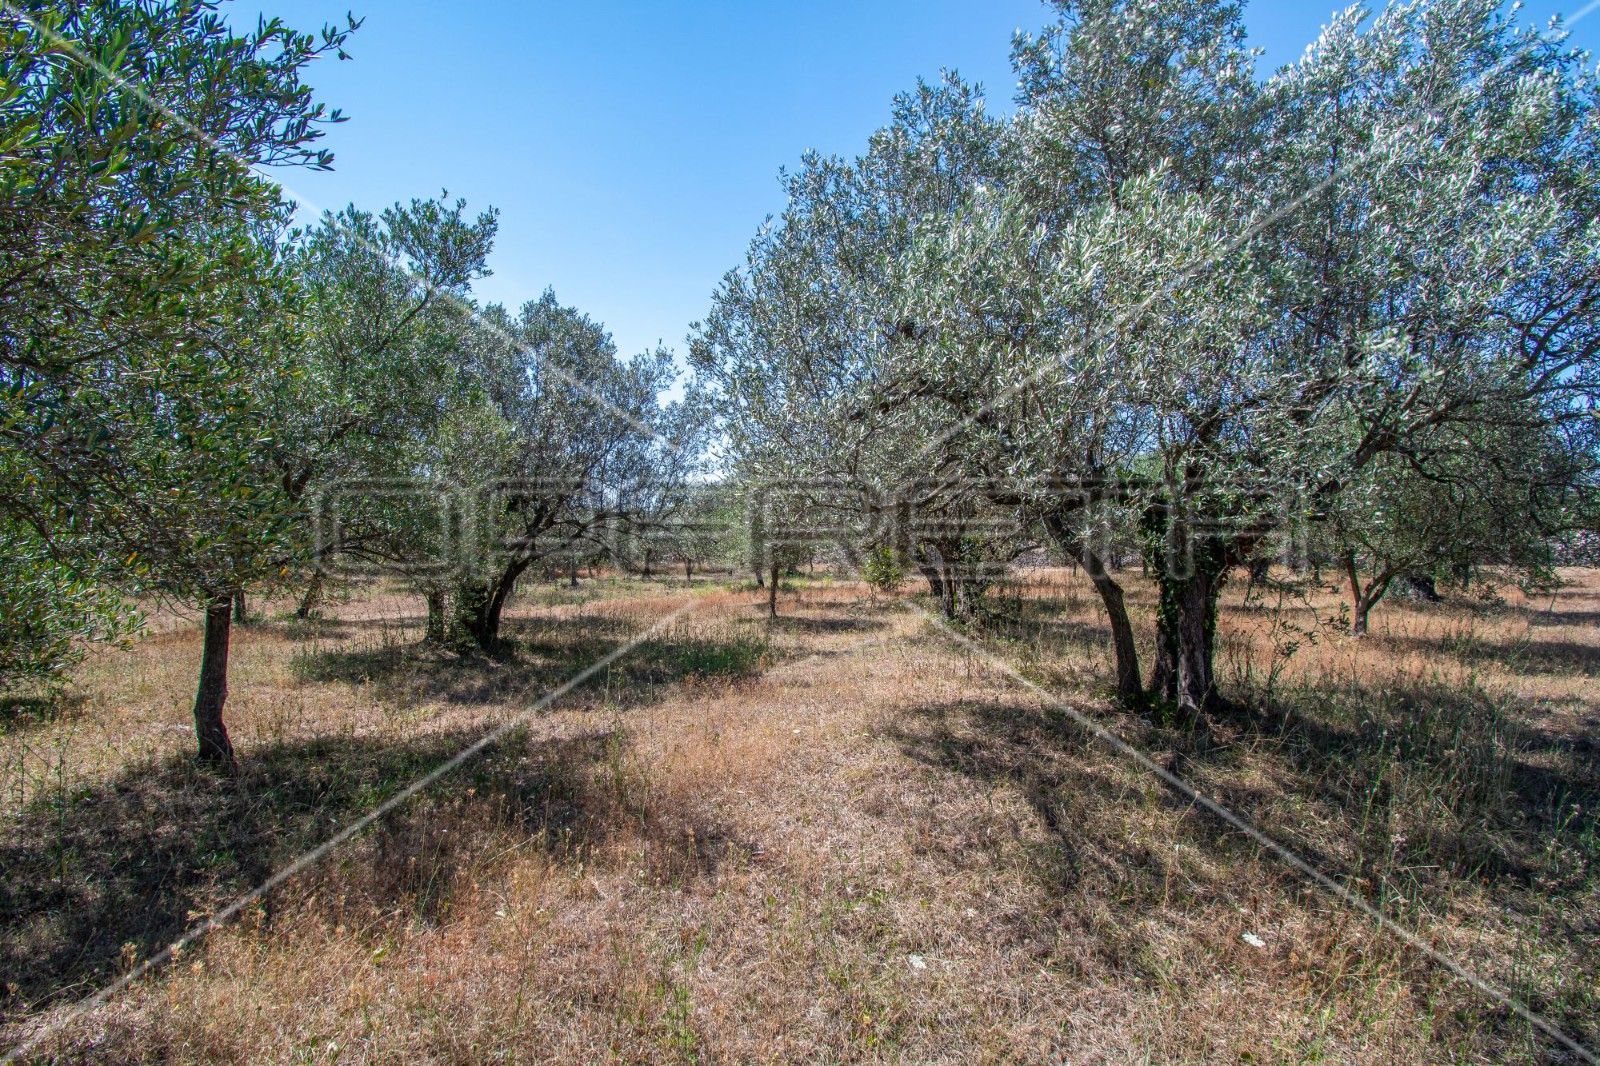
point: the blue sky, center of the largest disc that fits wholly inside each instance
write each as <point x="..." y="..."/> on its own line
<point x="633" y="146"/>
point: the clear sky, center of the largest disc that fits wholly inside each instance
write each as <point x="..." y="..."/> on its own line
<point x="633" y="146"/>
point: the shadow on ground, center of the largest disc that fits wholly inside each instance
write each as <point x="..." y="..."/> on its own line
<point x="96" y="879"/>
<point x="537" y="656"/>
<point x="804" y="624"/>
<point x="25" y="712"/>
<point x="1411" y="795"/>
<point x="1525" y="656"/>
<point x="1081" y="791"/>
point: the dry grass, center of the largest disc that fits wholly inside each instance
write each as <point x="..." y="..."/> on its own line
<point x="836" y="838"/>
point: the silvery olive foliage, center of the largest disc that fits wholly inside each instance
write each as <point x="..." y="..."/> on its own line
<point x="385" y="306"/>
<point x="799" y="336"/>
<point x="1206" y="304"/>
<point x="563" y="445"/>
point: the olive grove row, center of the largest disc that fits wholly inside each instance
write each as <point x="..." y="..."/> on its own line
<point x="1169" y="309"/>
<point x="1174" y="303"/>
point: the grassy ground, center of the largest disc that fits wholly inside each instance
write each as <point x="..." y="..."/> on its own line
<point x="837" y="837"/>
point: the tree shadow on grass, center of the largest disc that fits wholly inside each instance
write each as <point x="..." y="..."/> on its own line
<point x="1434" y="792"/>
<point x="1083" y="636"/>
<point x="318" y="627"/>
<point x="95" y="879"/>
<point x="1102" y="873"/>
<point x="1521" y="656"/>
<point x="805" y="624"/>
<point x="1441" y="782"/>
<point x="1041" y="626"/>
<point x="32" y="711"/>
<point x="1078" y="787"/>
<point x="1544" y="617"/>
<point x="537" y="656"/>
<point x="1431" y="792"/>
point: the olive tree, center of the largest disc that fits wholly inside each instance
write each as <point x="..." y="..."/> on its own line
<point x="207" y="514"/>
<point x="570" y="436"/>
<point x="384" y="305"/>
<point x="1023" y="301"/>
<point x="139" y="300"/>
<point x="1392" y="236"/>
<point x="1502" y="495"/>
<point x="795" y="348"/>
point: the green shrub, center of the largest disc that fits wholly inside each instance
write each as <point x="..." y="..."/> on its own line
<point x="882" y="570"/>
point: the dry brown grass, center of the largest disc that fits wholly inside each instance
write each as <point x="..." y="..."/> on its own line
<point x="836" y="838"/>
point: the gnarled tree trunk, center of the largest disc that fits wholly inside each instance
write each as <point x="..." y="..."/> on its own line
<point x="956" y="584"/>
<point x="480" y="604"/>
<point x="211" y="694"/>
<point x="931" y="574"/>
<point x="1190" y="572"/>
<point x="1123" y="647"/>
<point x="475" y="616"/>
<point x="1164" y="670"/>
<point x="1197" y="630"/>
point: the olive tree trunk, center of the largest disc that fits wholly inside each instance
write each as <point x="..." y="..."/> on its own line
<point x="1190" y="572"/>
<point x="951" y="580"/>
<point x="1130" y="689"/>
<point x="312" y="600"/>
<point x="931" y="574"/>
<point x="1129" y="686"/>
<point x="480" y="604"/>
<point x="1363" y="598"/>
<point x="1164" y="670"/>
<point x="1197" y="629"/>
<point x="438" y="625"/>
<point x="211" y="694"/>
